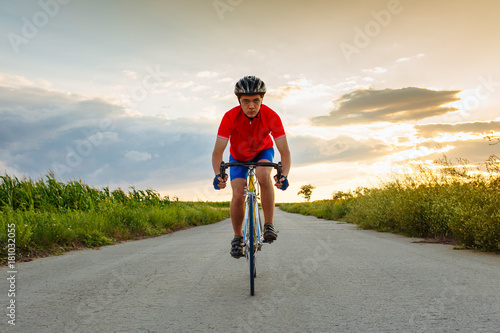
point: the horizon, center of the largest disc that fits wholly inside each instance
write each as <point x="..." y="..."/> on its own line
<point x="132" y="95"/>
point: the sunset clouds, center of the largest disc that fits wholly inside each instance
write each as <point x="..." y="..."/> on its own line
<point x="388" y="105"/>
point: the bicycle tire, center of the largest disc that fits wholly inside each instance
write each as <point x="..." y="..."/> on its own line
<point x="261" y="230"/>
<point x="251" y="243"/>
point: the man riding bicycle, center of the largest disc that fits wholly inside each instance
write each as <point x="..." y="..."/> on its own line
<point x="249" y="128"/>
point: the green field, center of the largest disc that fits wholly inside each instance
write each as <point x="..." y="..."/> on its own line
<point x="445" y="203"/>
<point x="46" y="216"/>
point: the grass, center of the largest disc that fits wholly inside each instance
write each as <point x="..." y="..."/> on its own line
<point x="326" y="209"/>
<point x="50" y="217"/>
<point x="447" y="201"/>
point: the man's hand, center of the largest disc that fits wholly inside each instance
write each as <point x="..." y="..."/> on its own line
<point x="220" y="183"/>
<point x="282" y="184"/>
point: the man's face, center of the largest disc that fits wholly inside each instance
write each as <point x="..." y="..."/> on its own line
<point x="251" y="105"/>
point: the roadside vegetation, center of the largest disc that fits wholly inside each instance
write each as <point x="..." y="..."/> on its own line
<point x="51" y="217"/>
<point x="445" y="202"/>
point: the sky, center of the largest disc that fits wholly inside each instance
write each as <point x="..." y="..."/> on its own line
<point x="123" y="93"/>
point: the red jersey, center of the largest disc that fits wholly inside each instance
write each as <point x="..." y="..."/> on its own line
<point x="248" y="137"/>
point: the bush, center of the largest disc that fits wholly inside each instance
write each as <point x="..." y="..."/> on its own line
<point x="444" y="202"/>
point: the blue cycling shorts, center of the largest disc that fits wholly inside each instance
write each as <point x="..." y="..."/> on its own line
<point x="242" y="172"/>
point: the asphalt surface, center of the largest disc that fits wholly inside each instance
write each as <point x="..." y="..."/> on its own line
<point x="319" y="276"/>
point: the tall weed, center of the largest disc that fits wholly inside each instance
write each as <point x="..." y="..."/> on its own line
<point x="445" y="201"/>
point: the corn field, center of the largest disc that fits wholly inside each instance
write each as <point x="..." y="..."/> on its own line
<point x="51" y="216"/>
<point x="51" y="195"/>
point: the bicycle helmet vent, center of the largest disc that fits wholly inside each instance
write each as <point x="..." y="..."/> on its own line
<point x="250" y="85"/>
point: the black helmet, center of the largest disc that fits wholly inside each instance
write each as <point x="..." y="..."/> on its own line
<point x="250" y="85"/>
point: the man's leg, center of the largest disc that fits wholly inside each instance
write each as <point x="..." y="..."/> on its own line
<point x="266" y="191"/>
<point x="267" y="200"/>
<point x="237" y="208"/>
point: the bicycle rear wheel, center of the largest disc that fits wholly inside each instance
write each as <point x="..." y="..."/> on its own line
<point x="251" y="243"/>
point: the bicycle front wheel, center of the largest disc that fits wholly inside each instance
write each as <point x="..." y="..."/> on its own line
<point x="251" y="243"/>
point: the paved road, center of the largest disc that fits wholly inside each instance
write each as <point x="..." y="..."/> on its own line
<point x="320" y="276"/>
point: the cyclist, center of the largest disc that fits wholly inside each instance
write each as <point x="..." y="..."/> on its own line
<point x="249" y="127"/>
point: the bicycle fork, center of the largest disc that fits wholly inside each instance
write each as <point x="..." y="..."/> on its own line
<point x="257" y="227"/>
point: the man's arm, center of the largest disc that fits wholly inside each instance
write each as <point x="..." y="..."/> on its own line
<point x="286" y="159"/>
<point x="220" y="146"/>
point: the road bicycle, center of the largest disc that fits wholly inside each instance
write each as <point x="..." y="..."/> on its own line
<point x="253" y="230"/>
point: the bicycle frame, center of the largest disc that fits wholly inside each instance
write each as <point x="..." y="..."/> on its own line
<point x="252" y="194"/>
<point x="253" y="237"/>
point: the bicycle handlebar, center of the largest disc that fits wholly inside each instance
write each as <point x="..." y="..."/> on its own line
<point x="223" y="166"/>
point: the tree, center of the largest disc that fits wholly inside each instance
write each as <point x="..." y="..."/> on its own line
<point x="306" y="191"/>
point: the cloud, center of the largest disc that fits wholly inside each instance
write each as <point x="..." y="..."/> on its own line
<point x="31" y="116"/>
<point x="365" y="106"/>
<point x="475" y="128"/>
<point x="98" y="142"/>
<point x="475" y="151"/>
<point x="207" y="75"/>
<point x="130" y="74"/>
<point x="13" y="81"/>
<point x="284" y="92"/>
<point x="138" y="156"/>
<point x="300" y="88"/>
<point x="376" y="70"/>
<point x="467" y="139"/>
<point x="403" y="59"/>
<point x="310" y="150"/>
